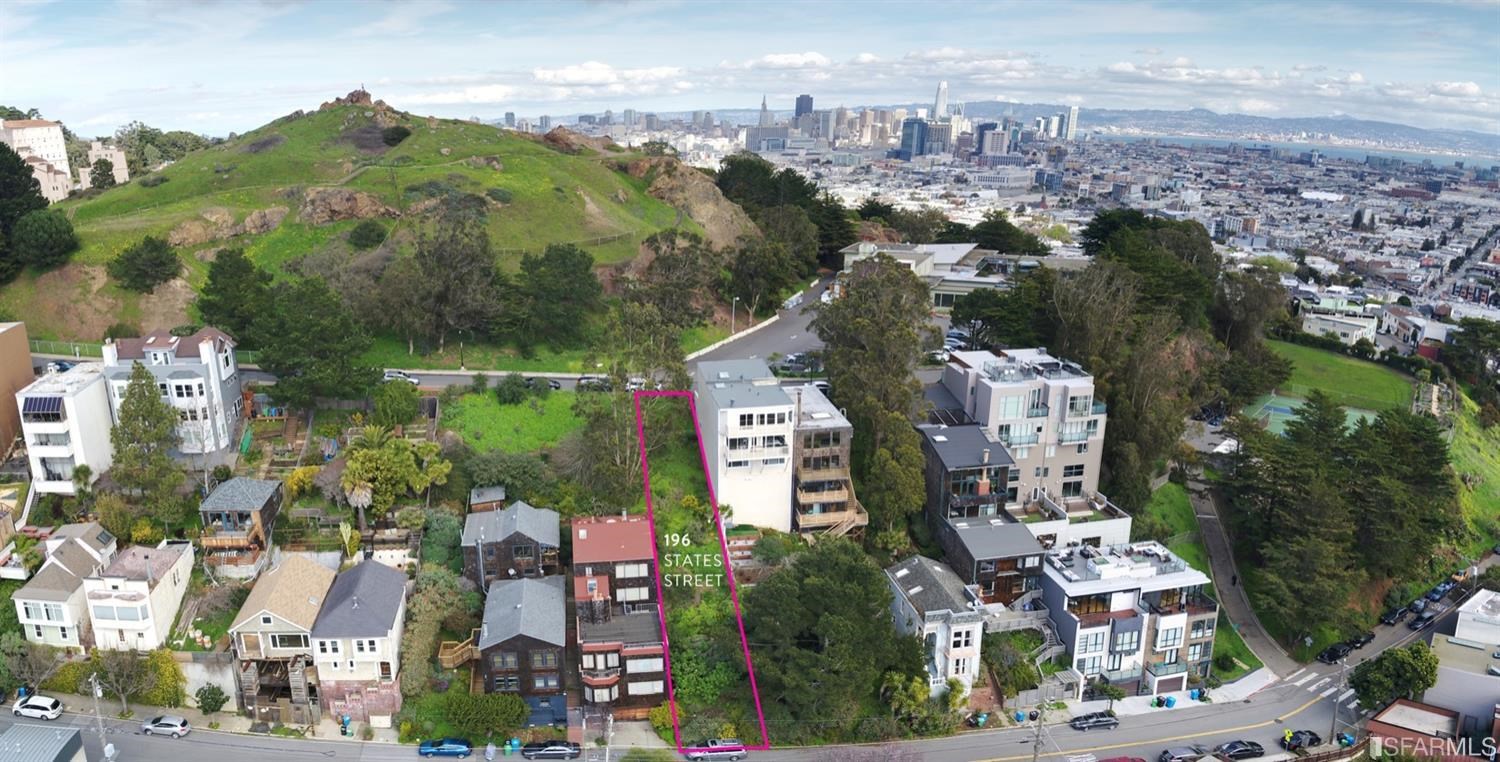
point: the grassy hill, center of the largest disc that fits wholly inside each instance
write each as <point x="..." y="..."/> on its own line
<point x="553" y="196"/>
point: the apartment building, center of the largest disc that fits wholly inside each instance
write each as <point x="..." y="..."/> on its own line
<point x="747" y="421"/>
<point x="1468" y="679"/>
<point x="133" y="602"/>
<point x="15" y="375"/>
<point x="934" y="605"/>
<point x="1135" y="616"/>
<point x="620" y="644"/>
<point x="1041" y="408"/>
<point x="271" y="638"/>
<point x="357" y="637"/>
<point x="198" y="376"/>
<point x="55" y="183"/>
<point x="823" y="499"/>
<point x="38" y="138"/>
<point x="50" y="606"/>
<point x="66" y="418"/>
<point x="111" y="154"/>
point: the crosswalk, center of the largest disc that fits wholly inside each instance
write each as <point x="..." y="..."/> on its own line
<point x="1324" y="685"/>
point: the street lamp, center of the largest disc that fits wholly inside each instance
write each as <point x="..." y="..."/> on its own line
<point x="732" y="306"/>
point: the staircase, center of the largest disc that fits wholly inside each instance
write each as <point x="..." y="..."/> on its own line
<point x="452" y="653"/>
<point x="296" y="673"/>
<point x="249" y="684"/>
<point x="1051" y="647"/>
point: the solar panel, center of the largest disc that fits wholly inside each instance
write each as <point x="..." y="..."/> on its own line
<point x="42" y="405"/>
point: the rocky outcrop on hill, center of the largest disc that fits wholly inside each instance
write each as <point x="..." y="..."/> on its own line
<point x="263" y="220"/>
<point x="359" y="97"/>
<point x="217" y="223"/>
<point x="321" y="206"/>
<point x="694" y="194"/>
<point x="568" y="141"/>
<point x="870" y="230"/>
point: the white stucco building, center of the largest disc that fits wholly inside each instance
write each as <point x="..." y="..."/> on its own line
<point x="747" y="420"/>
<point x="66" y="418"/>
<point x="50" y="606"/>
<point x="133" y="602"/>
<point x="931" y="602"/>
<point x="111" y="154"/>
<point x="37" y="137"/>
<point x="198" y="375"/>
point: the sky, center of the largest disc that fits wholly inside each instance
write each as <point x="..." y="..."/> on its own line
<point x="220" y="66"/>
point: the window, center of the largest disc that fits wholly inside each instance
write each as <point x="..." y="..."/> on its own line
<point x="544" y="659"/>
<point x="1195" y="652"/>
<point x="603" y="694"/>
<point x="328" y="646"/>
<point x="1074" y="471"/>
<point x="506" y="660"/>
<point x="1115" y="661"/>
<point x="1072" y="489"/>
<point x="1022" y="453"/>
<point x="359" y="646"/>
<point x="629" y="571"/>
<point x="1169" y="657"/>
<point x="1169" y="638"/>
<point x="104" y="612"/>
<point x="611" y="659"/>
<point x="1090" y="665"/>
<point x="960" y="666"/>
<point x="643" y="665"/>
<point x="632" y="594"/>
<point x="986" y="567"/>
<point x="370" y="645"/>
<point x="1014" y="477"/>
<point x="32" y="610"/>
<point x="1128" y="641"/>
<point x="1031" y="562"/>
<point x="63" y="631"/>
<point x="645" y="687"/>
<point x="507" y="683"/>
<point x="739" y="464"/>
<point x="1203" y="628"/>
<point x="963" y="638"/>
<point x="746" y="419"/>
<point x="38" y="629"/>
<point x="542" y="682"/>
<point x="265" y="618"/>
<point x="1043" y="472"/>
<point x="1051" y="450"/>
<point x="1010" y="408"/>
<point x="289" y="641"/>
<point x="1083" y="448"/>
<point x="739" y="443"/>
<point x="1091" y="642"/>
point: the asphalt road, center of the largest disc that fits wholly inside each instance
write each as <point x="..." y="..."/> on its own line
<point x="790" y="333"/>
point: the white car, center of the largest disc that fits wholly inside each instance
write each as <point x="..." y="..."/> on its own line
<point x="397" y="375"/>
<point x="167" y="725"/>
<point x="37" y="706"/>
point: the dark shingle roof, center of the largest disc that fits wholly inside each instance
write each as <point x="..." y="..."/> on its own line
<point x="929" y="585"/>
<point x="964" y="446"/>
<point x="363" y="602"/>
<point x="532" y="607"/>
<point x="986" y="540"/>
<point x="240" y="494"/>
<point x="521" y="517"/>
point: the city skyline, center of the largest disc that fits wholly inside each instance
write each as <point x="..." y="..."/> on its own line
<point x="217" y="68"/>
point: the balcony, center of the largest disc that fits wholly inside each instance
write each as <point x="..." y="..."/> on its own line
<point x="837" y="494"/>
<point x="1038" y="411"/>
<point x="1019" y="440"/>
<point x="1100" y="408"/>
<point x="1070" y="437"/>
<point x="600" y="678"/>
<point x="827" y="519"/>
<point x="225" y="539"/>
<point x="1116" y="676"/>
<point x="969" y="501"/>
<point x="822" y="474"/>
<point x="1167" y="670"/>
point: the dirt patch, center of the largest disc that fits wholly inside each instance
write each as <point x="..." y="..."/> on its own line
<point x="367" y="139"/>
<point x="72" y="294"/>
<point x="694" y="194"/>
<point x="481" y="162"/>
<point x="265" y="144"/>
<point x="595" y="217"/>
<point x="167" y="305"/>
<point x="564" y="140"/>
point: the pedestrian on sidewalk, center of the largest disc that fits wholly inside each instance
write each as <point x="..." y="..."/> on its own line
<point x="1234" y="580"/>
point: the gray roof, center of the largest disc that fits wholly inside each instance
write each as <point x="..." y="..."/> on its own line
<point x="641" y="627"/>
<point x="240" y="494"/>
<point x="487" y="494"/>
<point x="40" y="743"/>
<point x="929" y="585"/>
<point x="521" y="517"/>
<point x="92" y="534"/>
<point x="814" y="411"/>
<point x="51" y="583"/>
<point x="1004" y="540"/>
<point x="740" y="383"/>
<point x="363" y="602"/>
<point x="531" y="607"/>
<point x="964" y="446"/>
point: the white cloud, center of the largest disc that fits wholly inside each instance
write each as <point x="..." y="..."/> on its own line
<point x="945" y="53"/>
<point x="808" y="60"/>
<point x="1149" y="52"/>
<point x="1256" y="106"/>
<point x="476" y="94"/>
<point x="1455" y="89"/>
<point x="596" y="73"/>
<point x="866" y="58"/>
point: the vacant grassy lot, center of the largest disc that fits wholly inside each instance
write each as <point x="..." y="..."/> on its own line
<point x="1349" y="381"/>
<point x="533" y="425"/>
<point x="1171" y="504"/>
<point x="1476" y="453"/>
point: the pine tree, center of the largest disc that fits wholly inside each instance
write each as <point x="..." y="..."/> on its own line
<point x="143" y="439"/>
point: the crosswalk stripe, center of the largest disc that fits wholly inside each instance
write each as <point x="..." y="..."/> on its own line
<point x="1353" y="704"/>
<point x="1319" y="684"/>
<point x="1346" y="694"/>
<point x="1305" y="678"/>
<point x="1329" y="692"/>
<point x="1299" y="671"/>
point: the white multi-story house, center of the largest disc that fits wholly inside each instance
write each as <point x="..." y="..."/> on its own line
<point x="133" y="602"/>
<point x="198" y="375"/>
<point x="357" y="641"/>
<point x="1042" y="409"/>
<point x="111" y="154"/>
<point x="50" y="605"/>
<point x="65" y="418"/>
<point x="1134" y="615"/>
<point x="747" y="421"/>
<point x="39" y="138"/>
<point x="932" y="603"/>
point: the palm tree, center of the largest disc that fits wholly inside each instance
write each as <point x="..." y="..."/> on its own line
<point x="372" y="437"/>
<point x="83" y="480"/>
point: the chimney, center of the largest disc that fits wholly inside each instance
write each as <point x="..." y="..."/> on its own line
<point x="147" y="556"/>
<point x="986" y="456"/>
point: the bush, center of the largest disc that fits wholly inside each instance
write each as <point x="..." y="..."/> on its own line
<point x="170" y="686"/>
<point x="71" y="677"/>
<point x="367" y="235"/>
<point x="187" y="329"/>
<point x="300" y="481"/>
<point x="480" y="384"/>
<point x="43" y="238"/>
<point x="392" y="136"/>
<point x="395" y="404"/>
<point x="500" y="195"/>
<point x="222" y="473"/>
<point x="121" y="331"/>
<point x="145" y="265"/>
<point x="1224" y="661"/>
<point x="512" y="389"/>
<point x="151" y="181"/>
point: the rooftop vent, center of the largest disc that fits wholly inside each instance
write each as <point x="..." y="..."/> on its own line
<point x="939" y="438"/>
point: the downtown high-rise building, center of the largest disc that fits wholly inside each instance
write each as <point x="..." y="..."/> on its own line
<point x="510" y="119"/>
<point x="628" y="118"/>
<point x="1070" y="123"/>
<point x="766" y="120"/>
<point x="940" y="103"/>
<point x="1054" y="125"/>
<point x="804" y="105"/>
<point x="913" y="138"/>
<point x="608" y="119"/>
<point x="544" y="123"/>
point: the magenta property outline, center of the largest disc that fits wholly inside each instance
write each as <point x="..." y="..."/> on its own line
<point x="734" y="597"/>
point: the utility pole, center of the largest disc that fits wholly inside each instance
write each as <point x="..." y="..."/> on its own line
<point x="609" y="734"/>
<point x="108" y="748"/>
<point x="1036" y="740"/>
<point x="1333" y="727"/>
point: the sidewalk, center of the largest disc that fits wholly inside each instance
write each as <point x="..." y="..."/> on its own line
<point x="1229" y="693"/>
<point x="229" y="721"/>
<point x="1232" y="596"/>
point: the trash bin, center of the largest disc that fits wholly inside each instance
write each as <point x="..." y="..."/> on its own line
<point x="1171" y="701"/>
<point x="1020" y="716"/>
<point x="1193" y="694"/>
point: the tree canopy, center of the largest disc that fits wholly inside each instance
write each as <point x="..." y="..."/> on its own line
<point x="236" y="293"/>
<point x="20" y="194"/>
<point x="143" y="437"/>
<point x="310" y="341"/>
<point x="43" y="238"/>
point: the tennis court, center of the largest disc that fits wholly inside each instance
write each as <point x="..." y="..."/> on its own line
<point x="1273" y="411"/>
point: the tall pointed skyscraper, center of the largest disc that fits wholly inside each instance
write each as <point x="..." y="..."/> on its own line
<point x="765" y="114"/>
<point x="940" y="103"/>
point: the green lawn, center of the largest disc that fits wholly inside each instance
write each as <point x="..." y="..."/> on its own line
<point x="1349" y="381"/>
<point x="533" y="425"/>
<point x="1171" y="504"/>
<point x="428" y="711"/>
<point x="1227" y="640"/>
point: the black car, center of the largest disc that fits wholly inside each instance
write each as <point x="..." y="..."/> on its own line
<point x="551" y="750"/>
<point x="1361" y="640"/>
<point x="1423" y="620"/>
<point x="1240" y="750"/>
<point x="1395" y="616"/>
<point x="1302" y="739"/>
<point x="552" y="383"/>
<point x="1095" y="720"/>
<point x="1334" y="653"/>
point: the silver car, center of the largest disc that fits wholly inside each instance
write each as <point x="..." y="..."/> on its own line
<point x="166" y="725"/>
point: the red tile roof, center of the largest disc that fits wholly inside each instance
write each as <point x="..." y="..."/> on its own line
<point x="612" y="538"/>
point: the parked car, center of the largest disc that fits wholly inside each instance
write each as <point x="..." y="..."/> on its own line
<point x="400" y="375"/>
<point x="1418" y="606"/>
<point x="552" y="383"/>
<point x="167" y="725"/>
<point x="1182" y="754"/>
<point x="1334" y="653"/>
<point x="37" y="707"/>
<point x="1240" y="750"/>
<point x="593" y="384"/>
<point x="938" y="355"/>
<point x="822" y="386"/>
<point x="551" y="750"/>
<point x="957" y="333"/>
<point x="1095" y="720"/>
<point x="446" y="747"/>
<point x="60" y="366"/>
<point x="717" y="749"/>
<point x="1395" y="616"/>
<point x="1361" y="640"/>
<point x="1301" y="739"/>
<point x="635" y="384"/>
<point x="1423" y="620"/>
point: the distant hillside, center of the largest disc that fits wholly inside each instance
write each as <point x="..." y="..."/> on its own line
<point x="296" y="186"/>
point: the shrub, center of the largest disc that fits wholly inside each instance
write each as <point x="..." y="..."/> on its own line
<point x="151" y="181"/>
<point x="170" y="686"/>
<point x="480" y="384"/>
<point x="512" y="389"/>
<point x="222" y="473"/>
<point x="500" y="195"/>
<point x="187" y="329"/>
<point x="121" y="331"/>
<point x="145" y="265"/>
<point x="143" y="532"/>
<point x="43" y="238"/>
<point x="300" y="481"/>
<point x="395" y="404"/>
<point x="1224" y="661"/>
<point x="392" y="136"/>
<point x="71" y="677"/>
<point x="367" y="235"/>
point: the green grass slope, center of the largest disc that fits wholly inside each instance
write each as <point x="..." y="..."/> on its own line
<point x="556" y="197"/>
<point x="1349" y="381"/>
